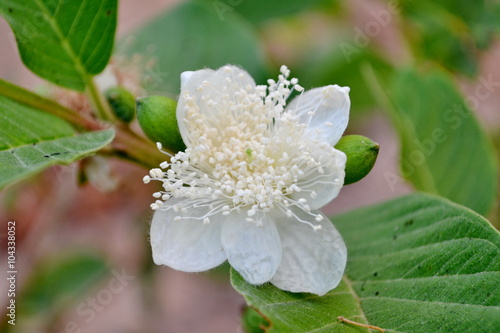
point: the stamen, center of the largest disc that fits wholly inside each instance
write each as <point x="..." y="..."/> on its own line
<point x="221" y="174"/>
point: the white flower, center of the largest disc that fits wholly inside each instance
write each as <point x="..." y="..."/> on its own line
<point x="251" y="181"/>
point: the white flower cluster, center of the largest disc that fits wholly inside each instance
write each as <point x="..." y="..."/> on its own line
<point x="249" y="185"/>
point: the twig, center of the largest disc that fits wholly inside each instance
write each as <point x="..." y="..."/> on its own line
<point x="345" y="320"/>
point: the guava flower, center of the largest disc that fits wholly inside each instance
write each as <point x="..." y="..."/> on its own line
<point x="250" y="184"/>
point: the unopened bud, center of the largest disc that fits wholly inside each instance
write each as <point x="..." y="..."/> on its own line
<point x="361" y="154"/>
<point x="122" y="103"/>
<point x="156" y="115"/>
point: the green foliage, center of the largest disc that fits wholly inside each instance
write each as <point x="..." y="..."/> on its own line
<point x="61" y="281"/>
<point x="253" y="322"/>
<point x="416" y="264"/>
<point x="451" y="32"/>
<point x="443" y="148"/>
<point x="193" y="36"/>
<point x="65" y="42"/>
<point x="31" y="141"/>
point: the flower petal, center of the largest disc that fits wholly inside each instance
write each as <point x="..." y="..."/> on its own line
<point x="313" y="261"/>
<point x="321" y="185"/>
<point x="187" y="245"/>
<point x="206" y="89"/>
<point x="325" y="110"/>
<point x="253" y="250"/>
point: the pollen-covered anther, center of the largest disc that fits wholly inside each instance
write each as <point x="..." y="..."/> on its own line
<point x="156" y="173"/>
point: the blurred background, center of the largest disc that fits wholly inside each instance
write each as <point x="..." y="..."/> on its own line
<point x="83" y="257"/>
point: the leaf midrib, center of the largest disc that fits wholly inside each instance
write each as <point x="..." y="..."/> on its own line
<point x="64" y="41"/>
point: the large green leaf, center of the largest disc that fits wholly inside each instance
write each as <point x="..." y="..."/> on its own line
<point x="444" y="150"/>
<point x="31" y="141"/>
<point x="193" y="36"/>
<point x="65" y="42"/>
<point x="416" y="264"/>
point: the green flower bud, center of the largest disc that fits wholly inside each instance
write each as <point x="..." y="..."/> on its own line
<point x="156" y="115"/>
<point x="361" y="154"/>
<point x="122" y="103"/>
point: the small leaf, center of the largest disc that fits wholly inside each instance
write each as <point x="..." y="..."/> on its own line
<point x="416" y="264"/>
<point x="444" y="149"/>
<point x="63" y="41"/>
<point x="31" y="141"/>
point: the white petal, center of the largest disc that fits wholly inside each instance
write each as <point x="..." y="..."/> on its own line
<point x="319" y="188"/>
<point x="185" y="76"/>
<point x="313" y="261"/>
<point x="330" y="107"/>
<point x="207" y="87"/>
<point x="186" y="245"/>
<point x="254" y="251"/>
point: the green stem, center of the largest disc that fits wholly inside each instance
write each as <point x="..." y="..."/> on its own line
<point x="38" y="102"/>
<point x="137" y="149"/>
<point x="101" y="106"/>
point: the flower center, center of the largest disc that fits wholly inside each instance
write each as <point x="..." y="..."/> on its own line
<point x="244" y="151"/>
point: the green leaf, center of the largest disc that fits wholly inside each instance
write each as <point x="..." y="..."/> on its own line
<point x="253" y="322"/>
<point x="416" y="264"/>
<point x="60" y="281"/>
<point x="444" y="150"/>
<point x="65" y="42"/>
<point x="193" y="36"/>
<point x="31" y="141"/>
